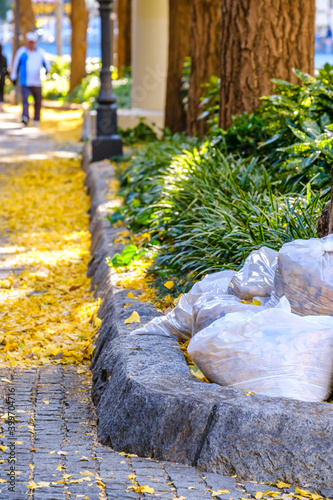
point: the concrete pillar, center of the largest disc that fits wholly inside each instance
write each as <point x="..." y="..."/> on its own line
<point x="150" y="20"/>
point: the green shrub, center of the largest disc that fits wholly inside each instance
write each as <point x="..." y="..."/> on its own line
<point x="264" y="181"/>
<point x="208" y="210"/>
<point x="279" y="131"/>
<point x="56" y="83"/>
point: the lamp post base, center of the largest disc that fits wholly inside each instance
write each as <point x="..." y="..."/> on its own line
<point x="104" y="147"/>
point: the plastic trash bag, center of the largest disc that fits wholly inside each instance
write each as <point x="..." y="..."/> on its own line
<point x="304" y="275"/>
<point x="208" y="308"/>
<point x="256" y="278"/>
<point x="271" y="352"/>
<point x="178" y="322"/>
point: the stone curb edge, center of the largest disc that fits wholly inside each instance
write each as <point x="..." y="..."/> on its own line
<point x="149" y="404"/>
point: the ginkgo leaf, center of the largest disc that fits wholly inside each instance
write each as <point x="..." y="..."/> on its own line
<point x="81" y="371"/>
<point x="67" y="476"/>
<point x="130" y="295"/>
<point x="169" y="285"/>
<point x="281" y="484"/>
<point x="98" y="322"/>
<point x="134" y="318"/>
<point x="142" y="489"/>
<point x="219" y="492"/>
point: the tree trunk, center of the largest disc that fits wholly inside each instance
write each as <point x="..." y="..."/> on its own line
<point x="261" y="40"/>
<point x="124" y="42"/>
<point x="179" y="48"/>
<point x="79" y="21"/>
<point x="325" y="222"/>
<point x="27" y="22"/>
<point x="205" y="56"/>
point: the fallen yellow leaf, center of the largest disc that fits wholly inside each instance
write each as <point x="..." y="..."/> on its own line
<point x="281" y="484"/>
<point x="98" y="322"/>
<point x="130" y="295"/>
<point x="142" y="489"/>
<point x="219" y="492"/>
<point x="169" y="285"/>
<point x="134" y="318"/>
<point x="81" y="371"/>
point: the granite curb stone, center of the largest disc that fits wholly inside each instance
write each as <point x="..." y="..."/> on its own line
<point x="149" y="404"/>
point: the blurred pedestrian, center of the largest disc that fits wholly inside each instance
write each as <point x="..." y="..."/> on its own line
<point x="3" y="74"/>
<point x="28" y="62"/>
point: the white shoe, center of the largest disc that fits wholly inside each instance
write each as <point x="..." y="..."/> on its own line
<point x="25" y="120"/>
<point x="35" y="123"/>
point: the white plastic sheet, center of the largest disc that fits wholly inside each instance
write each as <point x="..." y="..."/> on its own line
<point x="271" y="352"/>
<point x="256" y="278"/>
<point x="304" y="275"/>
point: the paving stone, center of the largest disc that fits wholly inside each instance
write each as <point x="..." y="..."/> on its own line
<point x="48" y="495"/>
<point x="252" y="488"/>
<point x="327" y="493"/>
<point x="218" y="482"/>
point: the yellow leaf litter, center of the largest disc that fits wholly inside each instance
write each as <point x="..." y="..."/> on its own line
<point x="47" y="312"/>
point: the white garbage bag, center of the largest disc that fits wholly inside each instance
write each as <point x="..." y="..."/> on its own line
<point x="304" y="275"/>
<point x="256" y="278"/>
<point x="271" y="352"/>
<point x="208" y="308"/>
<point x="178" y="322"/>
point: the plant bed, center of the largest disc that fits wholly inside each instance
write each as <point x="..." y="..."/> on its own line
<point x="148" y="403"/>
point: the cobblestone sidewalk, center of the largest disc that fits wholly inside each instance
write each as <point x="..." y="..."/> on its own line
<point x="48" y="423"/>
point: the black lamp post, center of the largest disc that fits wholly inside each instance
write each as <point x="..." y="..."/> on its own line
<point x="107" y="143"/>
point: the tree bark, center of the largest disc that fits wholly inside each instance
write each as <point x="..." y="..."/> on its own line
<point x="124" y="42"/>
<point x="27" y="22"/>
<point x="325" y="222"/>
<point x="205" y="56"/>
<point x="261" y="40"/>
<point x="179" y="48"/>
<point x="79" y="21"/>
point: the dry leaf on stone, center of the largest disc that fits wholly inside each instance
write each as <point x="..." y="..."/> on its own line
<point x="219" y="492"/>
<point x="134" y="318"/>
